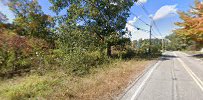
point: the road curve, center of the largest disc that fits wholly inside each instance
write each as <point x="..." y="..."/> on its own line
<point x="177" y="76"/>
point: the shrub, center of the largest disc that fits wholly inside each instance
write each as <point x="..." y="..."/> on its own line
<point x="79" y="61"/>
<point x="17" y="54"/>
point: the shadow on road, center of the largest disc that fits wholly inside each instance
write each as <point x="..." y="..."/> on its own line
<point x="167" y="57"/>
<point x="198" y="55"/>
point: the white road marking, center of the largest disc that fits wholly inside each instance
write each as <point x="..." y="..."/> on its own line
<point x="175" y="94"/>
<point x="191" y="73"/>
<point x="145" y="80"/>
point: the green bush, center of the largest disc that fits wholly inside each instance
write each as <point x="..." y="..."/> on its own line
<point x="13" y="62"/>
<point x="79" y="61"/>
<point x="143" y="51"/>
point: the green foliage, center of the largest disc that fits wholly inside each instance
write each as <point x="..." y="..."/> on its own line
<point x="105" y="20"/>
<point x="85" y="36"/>
<point x="12" y="56"/>
<point x="142" y="48"/>
<point x="18" y="54"/>
<point x="33" y="87"/>
<point x="177" y="42"/>
<point x="78" y="60"/>
<point x="30" y="20"/>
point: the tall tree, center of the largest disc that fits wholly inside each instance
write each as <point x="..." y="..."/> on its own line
<point x="192" y="25"/>
<point x="30" y="19"/>
<point x="104" y="19"/>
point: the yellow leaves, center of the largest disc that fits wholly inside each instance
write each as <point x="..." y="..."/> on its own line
<point x="192" y="25"/>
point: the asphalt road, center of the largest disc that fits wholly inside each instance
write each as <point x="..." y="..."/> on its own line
<point x="177" y="76"/>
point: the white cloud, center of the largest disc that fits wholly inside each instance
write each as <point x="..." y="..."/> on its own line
<point x="136" y="34"/>
<point x="133" y="21"/>
<point x="165" y="11"/>
<point x="130" y="23"/>
<point x="142" y="1"/>
<point x="139" y="35"/>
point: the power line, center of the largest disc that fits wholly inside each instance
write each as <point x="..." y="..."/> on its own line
<point x="154" y="36"/>
<point x="146" y="11"/>
<point x="140" y="19"/>
<point x="141" y="29"/>
<point x="153" y="22"/>
<point x="145" y="24"/>
<point x="157" y="28"/>
<point x="154" y="32"/>
<point x="151" y="28"/>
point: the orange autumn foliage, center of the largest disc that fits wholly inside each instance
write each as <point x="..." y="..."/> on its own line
<point x="192" y="25"/>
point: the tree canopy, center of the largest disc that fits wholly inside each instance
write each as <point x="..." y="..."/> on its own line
<point x="30" y="19"/>
<point x="104" y="19"/>
<point x="192" y="24"/>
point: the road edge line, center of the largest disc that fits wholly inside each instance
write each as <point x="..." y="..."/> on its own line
<point x="145" y="80"/>
<point x="136" y="79"/>
<point x="191" y="73"/>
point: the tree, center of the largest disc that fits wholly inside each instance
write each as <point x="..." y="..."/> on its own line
<point x="192" y="25"/>
<point x="175" y="42"/>
<point x="104" y="19"/>
<point x="30" y="19"/>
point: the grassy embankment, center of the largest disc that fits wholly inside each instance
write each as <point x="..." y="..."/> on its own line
<point x="102" y="83"/>
<point x="45" y="78"/>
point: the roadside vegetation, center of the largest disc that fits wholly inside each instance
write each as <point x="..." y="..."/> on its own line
<point x="190" y="34"/>
<point x="84" y="54"/>
<point x="104" y="82"/>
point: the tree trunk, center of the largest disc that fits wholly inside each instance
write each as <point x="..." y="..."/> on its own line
<point x="109" y="50"/>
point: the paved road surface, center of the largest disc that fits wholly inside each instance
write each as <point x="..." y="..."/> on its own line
<point x="177" y="76"/>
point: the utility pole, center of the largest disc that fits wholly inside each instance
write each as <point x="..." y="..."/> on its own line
<point x="150" y="38"/>
<point x="163" y="44"/>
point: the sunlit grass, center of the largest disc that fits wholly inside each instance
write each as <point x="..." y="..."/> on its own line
<point x="29" y="87"/>
<point x="106" y="82"/>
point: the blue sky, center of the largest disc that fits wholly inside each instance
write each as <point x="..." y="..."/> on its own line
<point x="162" y="11"/>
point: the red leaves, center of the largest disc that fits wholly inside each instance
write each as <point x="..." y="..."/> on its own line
<point x="23" y="44"/>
